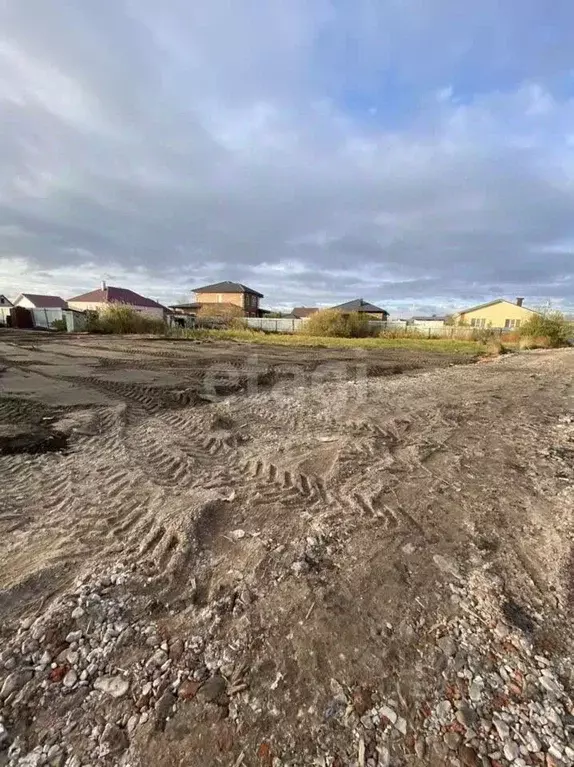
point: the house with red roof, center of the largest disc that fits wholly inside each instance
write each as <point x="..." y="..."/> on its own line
<point x="101" y="298"/>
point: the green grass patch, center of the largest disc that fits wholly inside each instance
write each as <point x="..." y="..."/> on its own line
<point x="440" y="345"/>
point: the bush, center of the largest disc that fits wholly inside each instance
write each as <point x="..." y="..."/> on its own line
<point x="59" y="325"/>
<point x="121" y="319"/>
<point x="550" y="329"/>
<point x="495" y="347"/>
<point x="333" y="323"/>
<point x="222" y="316"/>
<point x="485" y="335"/>
<point x="534" y="342"/>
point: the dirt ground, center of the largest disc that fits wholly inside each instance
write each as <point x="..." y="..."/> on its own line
<point x="269" y="549"/>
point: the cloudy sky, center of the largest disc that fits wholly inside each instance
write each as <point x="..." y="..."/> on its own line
<point x="419" y="153"/>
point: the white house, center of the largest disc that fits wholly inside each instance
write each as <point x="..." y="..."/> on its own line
<point x="5" y="306"/>
<point x="101" y="298"/>
<point x="34" y="301"/>
<point x="428" y="322"/>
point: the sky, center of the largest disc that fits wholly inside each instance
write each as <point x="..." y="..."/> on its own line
<point x="417" y="153"/>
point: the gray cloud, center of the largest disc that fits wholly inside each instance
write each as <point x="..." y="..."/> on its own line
<point x="203" y="141"/>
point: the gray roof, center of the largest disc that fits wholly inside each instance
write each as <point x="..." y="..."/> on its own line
<point x="228" y="287"/>
<point x="492" y="303"/>
<point x="360" y="305"/>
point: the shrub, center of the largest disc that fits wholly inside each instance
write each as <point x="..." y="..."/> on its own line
<point x="535" y="342"/>
<point x="398" y="333"/>
<point x="484" y="335"/>
<point x="333" y="323"/>
<point x="59" y="325"/>
<point x="119" y="318"/>
<point x="551" y="329"/>
<point x="495" y="347"/>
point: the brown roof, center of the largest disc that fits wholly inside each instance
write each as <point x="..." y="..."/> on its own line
<point x="301" y="312"/>
<point x="116" y="296"/>
<point x="46" y="302"/>
<point x="228" y="287"/>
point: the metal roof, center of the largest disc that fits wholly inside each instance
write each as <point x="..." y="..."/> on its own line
<point x="228" y="287"/>
<point x="45" y="302"/>
<point x="492" y="303"/>
<point x="116" y="296"/>
<point x="360" y="305"/>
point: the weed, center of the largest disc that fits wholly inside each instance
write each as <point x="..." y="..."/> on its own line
<point x="331" y="323"/>
<point x="545" y="331"/>
<point x="121" y="319"/>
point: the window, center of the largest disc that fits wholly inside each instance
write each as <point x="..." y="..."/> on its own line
<point x="512" y="324"/>
<point x="478" y="322"/>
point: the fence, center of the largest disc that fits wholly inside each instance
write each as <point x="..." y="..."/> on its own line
<point x="287" y="325"/>
<point x="43" y="318"/>
<point x="75" y="321"/>
<point x="279" y="325"/>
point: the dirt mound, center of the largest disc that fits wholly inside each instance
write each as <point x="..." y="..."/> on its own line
<point x="30" y="439"/>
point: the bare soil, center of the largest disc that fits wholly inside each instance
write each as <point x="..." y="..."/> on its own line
<point x="307" y="513"/>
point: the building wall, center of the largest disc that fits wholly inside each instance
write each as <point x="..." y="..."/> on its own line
<point x="429" y="323"/>
<point x="98" y="306"/>
<point x="246" y="301"/>
<point x="24" y="302"/>
<point x="495" y="316"/>
<point x="237" y="299"/>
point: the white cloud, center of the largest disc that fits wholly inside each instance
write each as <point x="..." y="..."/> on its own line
<point x="170" y="145"/>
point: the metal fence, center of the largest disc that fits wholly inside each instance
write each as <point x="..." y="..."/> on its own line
<point x="288" y="325"/>
<point x="279" y="325"/>
<point x="44" y="318"/>
<point x="75" y="321"/>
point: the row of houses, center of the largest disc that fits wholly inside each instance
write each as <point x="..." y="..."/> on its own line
<point x="240" y="300"/>
<point x="25" y="309"/>
<point x="498" y="314"/>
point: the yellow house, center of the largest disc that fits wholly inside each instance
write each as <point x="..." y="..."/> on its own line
<point x="496" y="314"/>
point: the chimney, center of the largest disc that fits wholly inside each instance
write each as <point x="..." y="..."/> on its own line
<point x="519" y="301"/>
<point x="104" y="286"/>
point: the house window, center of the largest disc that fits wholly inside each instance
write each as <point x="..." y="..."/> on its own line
<point x="512" y="324"/>
<point x="478" y="323"/>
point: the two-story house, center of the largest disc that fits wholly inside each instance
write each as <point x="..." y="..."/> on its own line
<point x="228" y="293"/>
